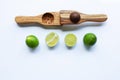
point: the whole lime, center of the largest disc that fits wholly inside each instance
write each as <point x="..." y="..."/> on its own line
<point x="89" y="39"/>
<point x="32" y="41"/>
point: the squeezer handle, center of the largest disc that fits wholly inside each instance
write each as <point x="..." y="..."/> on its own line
<point x="95" y="17"/>
<point x="26" y="19"/>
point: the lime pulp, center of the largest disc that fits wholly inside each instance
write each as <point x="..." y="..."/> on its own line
<point x="70" y="40"/>
<point x="52" y="39"/>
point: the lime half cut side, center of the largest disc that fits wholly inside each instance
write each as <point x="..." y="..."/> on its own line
<point x="70" y="40"/>
<point x="52" y="39"/>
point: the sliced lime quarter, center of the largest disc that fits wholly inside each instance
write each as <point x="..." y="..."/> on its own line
<point x="52" y="39"/>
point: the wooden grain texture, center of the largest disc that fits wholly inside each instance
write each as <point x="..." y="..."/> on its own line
<point x="59" y="18"/>
<point x="55" y="19"/>
<point x="93" y="17"/>
<point x="28" y="19"/>
<point x="41" y="19"/>
<point x="65" y="17"/>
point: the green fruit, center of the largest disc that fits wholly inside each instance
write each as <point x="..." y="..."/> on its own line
<point x="70" y="40"/>
<point x="89" y="39"/>
<point x="52" y="39"/>
<point x="32" y="41"/>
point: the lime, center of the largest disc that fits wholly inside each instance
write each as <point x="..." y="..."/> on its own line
<point x="89" y="39"/>
<point x="32" y="41"/>
<point x="52" y="39"/>
<point x="70" y="40"/>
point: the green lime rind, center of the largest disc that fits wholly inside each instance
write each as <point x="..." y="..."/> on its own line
<point x="70" y="40"/>
<point x="32" y="41"/>
<point x="52" y="39"/>
<point x="89" y="39"/>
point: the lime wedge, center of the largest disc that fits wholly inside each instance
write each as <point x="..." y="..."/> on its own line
<point x="70" y="40"/>
<point x="52" y="39"/>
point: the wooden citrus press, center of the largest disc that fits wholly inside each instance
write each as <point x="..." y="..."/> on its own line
<point x="61" y="18"/>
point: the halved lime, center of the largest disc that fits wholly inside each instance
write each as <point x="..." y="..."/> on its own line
<point x="89" y="39"/>
<point x="70" y="40"/>
<point x="52" y="39"/>
<point x="32" y="41"/>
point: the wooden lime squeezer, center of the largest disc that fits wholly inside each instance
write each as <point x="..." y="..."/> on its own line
<point x="61" y="18"/>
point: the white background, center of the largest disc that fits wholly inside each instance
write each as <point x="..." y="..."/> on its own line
<point x="18" y="62"/>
